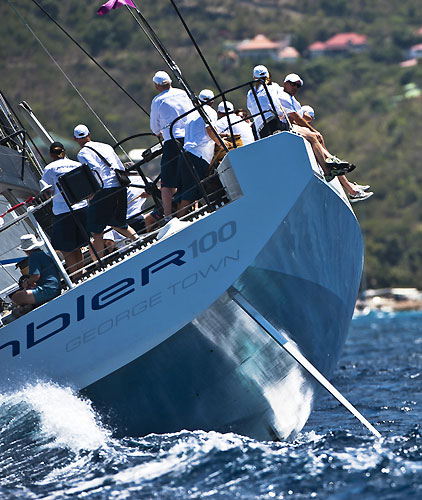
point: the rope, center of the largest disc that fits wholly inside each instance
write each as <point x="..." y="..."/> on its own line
<point x="90" y="57"/>
<point x="64" y="74"/>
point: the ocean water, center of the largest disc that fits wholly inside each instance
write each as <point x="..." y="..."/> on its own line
<point x="53" y="446"/>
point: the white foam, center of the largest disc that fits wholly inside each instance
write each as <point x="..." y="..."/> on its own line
<point x="67" y="418"/>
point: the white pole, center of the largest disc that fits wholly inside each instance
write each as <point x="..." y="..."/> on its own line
<point x="300" y="358"/>
<point x="51" y="250"/>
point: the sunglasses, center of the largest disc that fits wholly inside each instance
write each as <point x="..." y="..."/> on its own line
<point x="295" y="84"/>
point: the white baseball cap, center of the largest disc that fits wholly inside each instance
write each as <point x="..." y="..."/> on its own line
<point x="293" y="77"/>
<point x="260" y="71"/>
<point x="222" y="109"/>
<point x="309" y="110"/>
<point x="161" y="77"/>
<point x="29" y="242"/>
<point x="80" y="131"/>
<point x="206" y="95"/>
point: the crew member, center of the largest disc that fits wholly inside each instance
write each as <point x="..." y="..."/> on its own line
<point x="43" y="283"/>
<point x="165" y="108"/>
<point x="198" y="150"/>
<point x="67" y="235"/>
<point x="108" y="206"/>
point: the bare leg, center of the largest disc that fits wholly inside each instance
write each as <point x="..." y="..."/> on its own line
<point x="74" y="262"/>
<point x="182" y="209"/>
<point x="150" y="223"/>
<point x="22" y="297"/>
<point x="348" y="187"/>
<point x="166" y="197"/>
<point x="98" y="244"/>
<point x="321" y="154"/>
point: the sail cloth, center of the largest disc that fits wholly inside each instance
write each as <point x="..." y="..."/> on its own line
<point x="114" y="4"/>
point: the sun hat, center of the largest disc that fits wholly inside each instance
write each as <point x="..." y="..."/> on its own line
<point x="80" y="131"/>
<point x="206" y="95"/>
<point x="222" y="109"/>
<point x="29" y="242"/>
<point x="161" y="77"/>
<point x="56" y="147"/>
<point x="309" y="110"/>
<point x="293" y="77"/>
<point x="260" y="71"/>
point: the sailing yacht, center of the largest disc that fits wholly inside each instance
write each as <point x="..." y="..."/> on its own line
<point x="183" y="330"/>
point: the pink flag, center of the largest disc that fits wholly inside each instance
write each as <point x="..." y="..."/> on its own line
<point x="113" y="4"/>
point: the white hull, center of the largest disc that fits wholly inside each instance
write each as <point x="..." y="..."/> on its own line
<point x="156" y="337"/>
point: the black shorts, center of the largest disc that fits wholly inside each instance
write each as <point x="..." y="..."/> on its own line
<point x="188" y="184"/>
<point x="169" y="161"/>
<point x="66" y="234"/>
<point x="107" y="208"/>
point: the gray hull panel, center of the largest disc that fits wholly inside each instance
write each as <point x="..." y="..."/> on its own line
<point x="222" y="371"/>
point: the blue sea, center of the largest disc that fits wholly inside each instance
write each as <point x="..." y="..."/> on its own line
<point x="53" y="446"/>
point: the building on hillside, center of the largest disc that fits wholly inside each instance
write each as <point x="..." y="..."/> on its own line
<point x="288" y="54"/>
<point x="261" y="48"/>
<point x="340" y="44"/>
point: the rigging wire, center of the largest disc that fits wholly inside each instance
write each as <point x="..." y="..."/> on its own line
<point x="196" y="46"/>
<point x="201" y="55"/>
<point x="90" y="57"/>
<point x="65" y="75"/>
<point x="160" y="48"/>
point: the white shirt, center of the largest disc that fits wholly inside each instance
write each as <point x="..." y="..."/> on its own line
<point x="107" y="174"/>
<point x="51" y="173"/>
<point x="290" y="104"/>
<point x="134" y="204"/>
<point x="197" y="140"/>
<point x="274" y="90"/>
<point x="238" y="126"/>
<point x="165" y="108"/>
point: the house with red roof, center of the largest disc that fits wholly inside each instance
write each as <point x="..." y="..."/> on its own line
<point x="259" y="48"/>
<point x="340" y="44"/>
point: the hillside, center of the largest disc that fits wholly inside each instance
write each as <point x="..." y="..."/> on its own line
<point x="360" y="100"/>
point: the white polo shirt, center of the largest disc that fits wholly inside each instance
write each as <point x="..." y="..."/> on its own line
<point x="107" y="174"/>
<point x="135" y="204"/>
<point x="274" y="90"/>
<point x="165" y="108"/>
<point x="238" y="126"/>
<point x="290" y="104"/>
<point x="197" y="140"/>
<point x="51" y="174"/>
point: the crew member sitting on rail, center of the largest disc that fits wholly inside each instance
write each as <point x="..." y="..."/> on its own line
<point x="198" y="151"/>
<point x="43" y="283"/>
<point x="242" y="132"/>
<point x="67" y="235"/>
<point x="238" y="125"/>
<point x="355" y="191"/>
<point x="330" y="164"/>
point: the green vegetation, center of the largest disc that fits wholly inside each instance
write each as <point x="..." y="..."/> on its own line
<point x="361" y="103"/>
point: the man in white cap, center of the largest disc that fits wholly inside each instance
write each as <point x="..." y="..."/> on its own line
<point x="269" y="102"/>
<point x="108" y="207"/>
<point x="66" y="235"/>
<point x="238" y="126"/>
<point x="198" y="150"/>
<point x="165" y="108"/>
<point x="43" y="283"/>
<point x="330" y="164"/>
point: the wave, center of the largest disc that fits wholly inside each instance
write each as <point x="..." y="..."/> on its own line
<point x="53" y="445"/>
